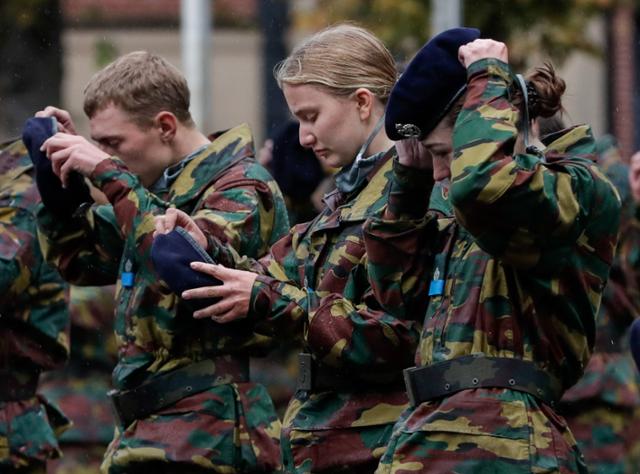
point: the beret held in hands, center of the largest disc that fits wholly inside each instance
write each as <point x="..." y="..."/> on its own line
<point x="172" y="254"/>
<point x="60" y="201"/>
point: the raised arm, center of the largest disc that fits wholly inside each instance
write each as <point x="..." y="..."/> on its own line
<point x="519" y="205"/>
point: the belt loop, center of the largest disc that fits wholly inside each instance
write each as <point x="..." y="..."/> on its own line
<point x="408" y="382"/>
<point x="305" y="372"/>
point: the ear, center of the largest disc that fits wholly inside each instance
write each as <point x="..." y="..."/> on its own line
<point x="167" y="125"/>
<point x="365" y="100"/>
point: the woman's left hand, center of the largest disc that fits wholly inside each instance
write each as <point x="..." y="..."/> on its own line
<point x="482" y="49"/>
<point x="235" y="293"/>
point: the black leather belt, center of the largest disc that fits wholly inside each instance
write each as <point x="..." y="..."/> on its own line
<point x="313" y="377"/>
<point x="168" y="388"/>
<point x="443" y="379"/>
<point x="18" y="385"/>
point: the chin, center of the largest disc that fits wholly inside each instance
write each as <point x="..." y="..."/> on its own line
<point x="337" y="162"/>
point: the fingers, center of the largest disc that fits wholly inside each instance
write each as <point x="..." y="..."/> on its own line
<point x="205" y="292"/>
<point x="62" y="116"/>
<point x="165" y="223"/>
<point x="221" y="308"/>
<point x="183" y="219"/>
<point x="66" y="166"/>
<point x="58" y="159"/>
<point x="58" y="141"/>
<point x="170" y="219"/>
<point x="219" y="271"/>
<point x="482" y="49"/>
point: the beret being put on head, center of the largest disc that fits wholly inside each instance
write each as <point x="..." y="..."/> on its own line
<point x="429" y="86"/>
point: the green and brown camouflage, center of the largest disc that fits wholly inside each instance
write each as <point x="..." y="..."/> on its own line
<point x="315" y="283"/>
<point x="226" y="428"/>
<point x="602" y="408"/>
<point x="523" y="245"/>
<point x="80" y="389"/>
<point x="34" y="321"/>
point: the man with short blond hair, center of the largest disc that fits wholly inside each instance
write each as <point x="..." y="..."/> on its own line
<point x="151" y="157"/>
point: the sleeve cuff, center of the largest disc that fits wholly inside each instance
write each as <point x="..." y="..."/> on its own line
<point x="107" y="169"/>
<point x="491" y="66"/>
<point x="260" y="301"/>
<point x="410" y="191"/>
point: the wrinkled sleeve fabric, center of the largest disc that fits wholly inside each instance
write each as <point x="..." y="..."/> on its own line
<point x="85" y="247"/>
<point x="348" y="328"/>
<point x="518" y="206"/>
<point x="398" y="242"/>
<point x="238" y="216"/>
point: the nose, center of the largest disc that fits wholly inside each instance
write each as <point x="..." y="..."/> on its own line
<point x="307" y="139"/>
<point x="106" y="149"/>
<point x="441" y="169"/>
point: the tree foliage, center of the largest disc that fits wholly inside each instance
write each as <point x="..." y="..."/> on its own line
<point x="553" y="28"/>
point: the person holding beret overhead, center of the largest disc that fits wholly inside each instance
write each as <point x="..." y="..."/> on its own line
<point x="515" y="267"/>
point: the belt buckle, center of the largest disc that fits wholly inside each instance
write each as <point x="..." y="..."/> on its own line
<point x="305" y="371"/>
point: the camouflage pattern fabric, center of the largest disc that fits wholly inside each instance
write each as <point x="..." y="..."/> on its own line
<point x="227" y="428"/>
<point x="602" y="408"/>
<point x="523" y="246"/>
<point x="315" y="282"/>
<point x="80" y="390"/>
<point x="34" y="322"/>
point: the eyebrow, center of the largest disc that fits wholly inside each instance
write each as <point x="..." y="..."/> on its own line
<point x="436" y="144"/>
<point x="105" y="137"/>
<point x="303" y="110"/>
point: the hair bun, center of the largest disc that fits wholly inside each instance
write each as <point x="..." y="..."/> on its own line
<point x="548" y="88"/>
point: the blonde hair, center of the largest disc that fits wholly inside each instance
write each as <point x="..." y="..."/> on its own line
<point x="141" y="84"/>
<point x="341" y="58"/>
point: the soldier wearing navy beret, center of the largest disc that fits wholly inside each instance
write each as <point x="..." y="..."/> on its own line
<point x="516" y="264"/>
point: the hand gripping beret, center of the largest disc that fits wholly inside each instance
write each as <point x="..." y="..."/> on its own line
<point x="60" y="201"/>
<point x="429" y="86"/>
<point x="172" y="254"/>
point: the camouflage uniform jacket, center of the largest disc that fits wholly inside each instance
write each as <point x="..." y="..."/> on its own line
<point x="603" y="408"/>
<point x="610" y="376"/>
<point x="232" y="198"/>
<point x="80" y="389"/>
<point x="316" y="282"/>
<point x="524" y="254"/>
<point x="34" y="321"/>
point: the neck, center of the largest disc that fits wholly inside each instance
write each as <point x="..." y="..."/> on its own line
<point x="380" y="142"/>
<point x="186" y="141"/>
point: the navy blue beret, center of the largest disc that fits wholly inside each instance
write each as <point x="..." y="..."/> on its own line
<point x="60" y="201"/>
<point x="635" y="341"/>
<point x="172" y="254"/>
<point x="427" y="88"/>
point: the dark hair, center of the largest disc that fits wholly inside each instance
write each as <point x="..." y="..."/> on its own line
<point x="548" y="89"/>
<point x="545" y="101"/>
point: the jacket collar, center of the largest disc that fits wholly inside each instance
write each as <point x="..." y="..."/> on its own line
<point x="227" y="149"/>
<point x="576" y="141"/>
<point x="368" y="198"/>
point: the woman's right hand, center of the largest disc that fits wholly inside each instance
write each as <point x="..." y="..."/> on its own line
<point x="177" y="218"/>
<point x="63" y="117"/>
<point x="482" y="49"/>
<point x="412" y="153"/>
